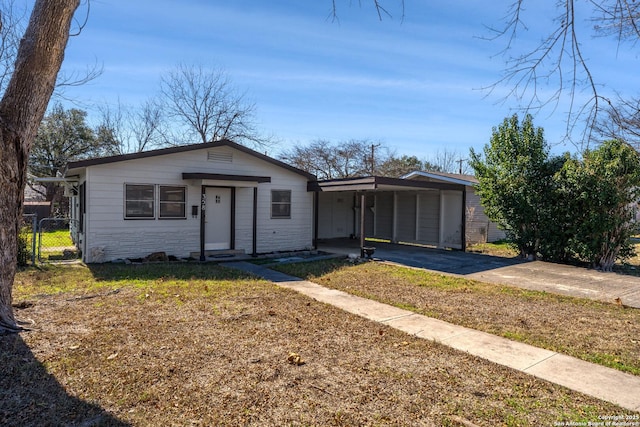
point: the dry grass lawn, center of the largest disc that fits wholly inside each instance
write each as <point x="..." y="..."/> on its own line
<point x="593" y="331"/>
<point x="201" y="345"/>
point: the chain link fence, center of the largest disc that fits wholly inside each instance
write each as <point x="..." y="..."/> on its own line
<point x="27" y="240"/>
<point x="54" y="240"/>
<point x="47" y="240"/>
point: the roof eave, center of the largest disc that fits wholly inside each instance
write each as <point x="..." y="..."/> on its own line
<point x="81" y="164"/>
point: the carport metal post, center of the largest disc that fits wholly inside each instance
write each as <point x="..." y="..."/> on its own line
<point x="463" y="237"/>
<point x="362" y="228"/>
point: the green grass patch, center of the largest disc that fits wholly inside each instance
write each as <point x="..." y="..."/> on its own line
<point x="501" y="248"/>
<point x="159" y="279"/>
<point x="55" y="238"/>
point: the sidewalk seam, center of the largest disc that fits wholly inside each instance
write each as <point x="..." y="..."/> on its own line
<point x="402" y="316"/>
<point x="540" y="361"/>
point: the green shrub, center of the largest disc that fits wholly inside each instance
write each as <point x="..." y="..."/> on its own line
<point x="24" y="247"/>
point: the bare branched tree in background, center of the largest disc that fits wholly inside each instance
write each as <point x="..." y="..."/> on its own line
<point x="449" y="161"/>
<point x="135" y="129"/>
<point x="329" y="160"/>
<point x="353" y="158"/>
<point x="13" y="24"/>
<point x="205" y="106"/>
<point x="14" y="19"/>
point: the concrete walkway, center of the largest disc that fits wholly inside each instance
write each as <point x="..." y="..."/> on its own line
<point x="567" y="280"/>
<point x="536" y="275"/>
<point x="588" y="378"/>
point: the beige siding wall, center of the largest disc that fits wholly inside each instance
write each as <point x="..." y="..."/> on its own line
<point x="384" y="215"/>
<point x="336" y="215"/>
<point x="429" y="217"/>
<point x="451" y="219"/>
<point x="479" y="228"/>
<point x="406" y="216"/>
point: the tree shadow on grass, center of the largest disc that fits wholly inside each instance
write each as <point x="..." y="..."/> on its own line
<point x="30" y="396"/>
<point x="154" y="271"/>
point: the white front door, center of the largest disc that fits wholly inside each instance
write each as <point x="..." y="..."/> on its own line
<point x="217" y="225"/>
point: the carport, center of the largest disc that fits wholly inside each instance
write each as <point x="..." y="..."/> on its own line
<point x="398" y="210"/>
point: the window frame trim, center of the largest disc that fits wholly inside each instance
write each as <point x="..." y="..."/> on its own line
<point x="159" y="212"/>
<point x="290" y="203"/>
<point x="137" y="218"/>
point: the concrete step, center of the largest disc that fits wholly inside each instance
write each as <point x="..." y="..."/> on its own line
<point x="222" y="254"/>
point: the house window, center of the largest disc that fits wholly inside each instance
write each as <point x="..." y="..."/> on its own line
<point x="139" y="201"/>
<point x="280" y="203"/>
<point x="172" y="202"/>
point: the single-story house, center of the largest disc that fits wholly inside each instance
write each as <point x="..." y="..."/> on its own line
<point x="220" y="197"/>
<point x="187" y="201"/>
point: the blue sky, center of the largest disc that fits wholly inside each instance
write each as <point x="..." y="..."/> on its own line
<point x="413" y="84"/>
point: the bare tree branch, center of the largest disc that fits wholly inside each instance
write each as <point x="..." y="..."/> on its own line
<point x="622" y="121"/>
<point x="381" y="10"/>
<point x="557" y="62"/>
<point x="13" y="19"/>
<point x="329" y="160"/>
<point x="136" y="129"/>
<point x="208" y="107"/>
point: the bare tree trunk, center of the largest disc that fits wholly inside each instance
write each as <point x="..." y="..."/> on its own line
<point x="22" y="108"/>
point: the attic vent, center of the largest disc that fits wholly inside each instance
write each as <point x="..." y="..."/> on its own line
<point x="220" y="156"/>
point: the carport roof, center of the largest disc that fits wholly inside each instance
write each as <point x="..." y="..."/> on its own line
<point x="379" y="183"/>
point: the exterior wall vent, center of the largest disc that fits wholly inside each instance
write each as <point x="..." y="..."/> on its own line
<point x="220" y="156"/>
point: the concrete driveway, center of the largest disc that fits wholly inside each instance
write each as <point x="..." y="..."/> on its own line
<point x="535" y="275"/>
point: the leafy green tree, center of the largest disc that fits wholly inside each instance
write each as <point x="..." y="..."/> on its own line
<point x="63" y="136"/>
<point x="601" y="192"/>
<point x="515" y="179"/>
<point x="557" y="216"/>
<point x="395" y="167"/>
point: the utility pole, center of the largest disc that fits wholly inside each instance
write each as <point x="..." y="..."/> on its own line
<point x="373" y="158"/>
<point x="460" y="165"/>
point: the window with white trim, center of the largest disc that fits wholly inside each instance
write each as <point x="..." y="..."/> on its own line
<point x="139" y="201"/>
<point x="173" y="201"/>
<point x="280" y="203"/>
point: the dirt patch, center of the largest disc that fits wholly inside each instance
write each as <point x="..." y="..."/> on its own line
<point x="204" y="351"/>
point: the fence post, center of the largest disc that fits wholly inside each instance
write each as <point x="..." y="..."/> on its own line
<point x="34" y="225"/>
<point x="39" y="231"/>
